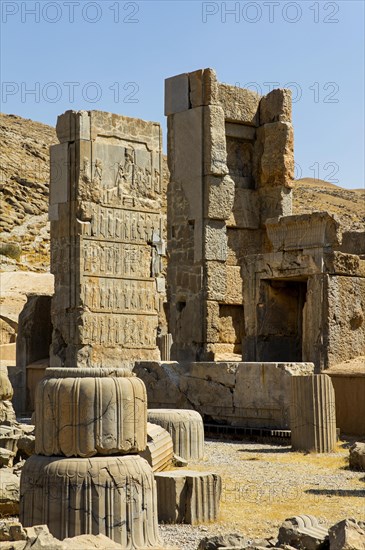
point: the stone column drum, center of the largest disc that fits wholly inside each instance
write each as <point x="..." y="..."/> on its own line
<point x="186" y="429"/>
<point x="84" y="412"/>
<point x="312" y="413"/>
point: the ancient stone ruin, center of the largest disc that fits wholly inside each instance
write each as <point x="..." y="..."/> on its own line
<point x="107" y="225"/>
<point x="91" y="414"/>
<point x="221" y="307"/>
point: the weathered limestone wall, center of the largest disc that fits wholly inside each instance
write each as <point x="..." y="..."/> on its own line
<point x="106" y="223"/>
<point x="345" y="318"/>
<point x="350" y="403"/>
<point x="304" y="300"/>
<point x="240" y="394"/>
<point x="230" y="155"/>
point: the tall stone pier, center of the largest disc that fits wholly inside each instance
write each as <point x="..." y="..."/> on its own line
<point x="91" y="410"/>
<point x="230" y="154"/>
<point x="106" y="239"/>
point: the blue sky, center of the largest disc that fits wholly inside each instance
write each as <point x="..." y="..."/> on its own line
<point x="114" y="56"/>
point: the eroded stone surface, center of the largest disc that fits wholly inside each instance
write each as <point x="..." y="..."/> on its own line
<point x="9" y="493"/>
<point x="84" y="412"/>
<point x="313" y="413"/>
<point x="186" y="429"/>
<point x="159" y="451"/>
<point x="107" y="239"/>
<point x="346" y="535"/>
<point x="186" y="496"/>
<point x="230" y="155"/>
<point x="241" y="394"/>
<point x="114" y="496"/>
<point x="357" y="456"/>
<point x="303" y="532"/>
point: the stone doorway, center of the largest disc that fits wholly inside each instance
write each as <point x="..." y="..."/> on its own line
<point x="280" y="320"/>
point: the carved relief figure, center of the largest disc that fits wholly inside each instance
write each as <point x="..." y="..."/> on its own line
<point x="98" y="172"/>
<point x="125" y="173"/>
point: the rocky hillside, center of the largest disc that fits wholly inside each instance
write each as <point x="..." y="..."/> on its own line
<point x="24" y="184"/>
<point x="347" y="204"/>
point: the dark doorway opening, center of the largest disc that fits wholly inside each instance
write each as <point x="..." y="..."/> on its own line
<point x="280" y="320"/>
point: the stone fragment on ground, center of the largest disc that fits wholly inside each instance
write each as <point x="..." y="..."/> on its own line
<point x="357" y="456"/>
<point x="159" y="451"/>
<point x="9" y="492"/>
<point x="347" y="535"/>
<point x="14" y="537"/>
<point x="6" y="458"/>
<point x="303" y="532"/>
<point x="186" y="496"/>
<point x="232" y="540"/>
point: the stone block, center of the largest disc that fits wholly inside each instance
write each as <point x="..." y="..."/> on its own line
<point x="159" y="451"/>
<point x="312" y="413"/>
<point x="73" y="125"/>
<point x="274" y="202"/>
<point x="239" y="104"/>
<point x="187" y="496"/>
<point x="186" y="429"/>
<point x="215" y="241"/>
<point x="7" y="414"/>
<point x="276" y="107"/>
<point x="215" y="151"/>
<point x="114" y="496"/>
<point x="277" y="160"/>
<point x="6" y="458"/>
<point x="59" y="187"/>
<point x="346" y="535"/>
<point x="303" y="532"/>
<point x="228" y="541"/>
<point x="303" y="231"/>
<point x="9" y="493"/>
<point x="203" y="87"/>
<point x="6" y="389"/>
<point x="105" y="312"/>
<point x="216" y="281"/>
<point x="357" y="456"/>
<point x="9" y="436"/>
<point x="84" y="412"/>
<point x="234" y="293"/>
<point x="177" y="94"/>
<point x="350" y="404"/>
<point x="252" y="395"/>
<point x="219" y="197"/>
<point x="186" y="137"/>
<point x="245" y="212"/>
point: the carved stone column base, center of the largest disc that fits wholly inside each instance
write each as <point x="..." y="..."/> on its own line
<point x="114" y="496"/>
<point x="84" y="412"/>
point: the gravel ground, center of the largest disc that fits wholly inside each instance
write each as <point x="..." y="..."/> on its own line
<point x="264" y="484"/>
